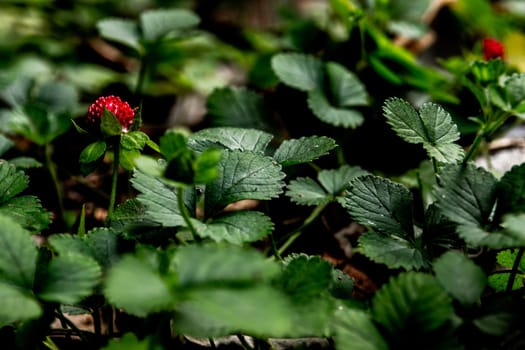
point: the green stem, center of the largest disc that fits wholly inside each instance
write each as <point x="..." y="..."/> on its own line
<point x="514" y="271"/>
<point x="51" y="167"/>
<point x="184" y="212"/>
<point x="298" y="231"/>
<point x="114" y="179"/>
<point x="140" y="80"/>
<point x="474" y="147"/>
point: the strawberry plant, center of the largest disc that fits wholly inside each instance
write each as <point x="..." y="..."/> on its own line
<point x="327" y="190"/>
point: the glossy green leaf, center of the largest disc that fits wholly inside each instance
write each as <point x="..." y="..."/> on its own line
<point x="19" y="254"/>
<point x="384" y="205"/>
<point x="17" y="305"/>
<point x="93" y="152"/>
<point x="237" y="107"/>
<point x="159" y="23"/>
<point x="236" y="227"/>
<point x="511" y="191"/>
<point x="27" y="211"/>
<point x="109" y="124"/>
<point x="221" y="264"/>
<point x="12" y="181"/>
<point x="354" y="329"/>
<point x="304" y="149"/>
<point x="134" y="286"/>
<point x="231" y="138"/>
<point x="463" y="279"/>
<point x="299" y="71"/>
<point x="305" y="191"/>
<point x="337" y="116"/>
<point x="122" y="31"/>
<point x="243" y="175"/>
<point x="411" y="302"/>
<point x="69" y="278"/>
<point x="466" y="194"/>
<point x="134" y="140"/>
<point x="393" y="251"/>
<point x="346" y="88"/>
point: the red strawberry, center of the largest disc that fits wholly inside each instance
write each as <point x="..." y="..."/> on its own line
<point x="114" y="104"/>
<point x="493" y="48"/>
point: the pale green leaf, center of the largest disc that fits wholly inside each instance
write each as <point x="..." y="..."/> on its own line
<point x="69" y="278"/>
<point x="243" y="175"/>
<point x="346" y="88"/>
<point x="382" y="204"/>
<point x="236" y="227"/>
<point x="463" y="279"/>
<point x="393" y="251"/>
<point x="128" y="341"/>
<point x="92" y="152"/>
<point x="354" y="329"/>
<point x="514" y="87"/>
<point x="134" y="286"/>
<point x="466" y="194"/>
<point x="305" y="191"/>
<point x="25" y="162"/>
<point x="477" y="237"/>
<point x="19" y="254"/>
<point x="299" y="71"/>
<point x="304" y="149"/>
<point x="122" y="31"/>
<point x="134" y="140"/>
<point x="336" y="180"/>
<point x="158" y="23"/>
<point x="321" y="107"/>
<point x="230" y="138"/>
<point x="410" y="303"/>
<point x="5" y="144"/>
<point x="17" y="305"/>
<point x="514" y="225"/>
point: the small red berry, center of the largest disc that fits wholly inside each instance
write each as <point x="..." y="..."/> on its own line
<point x="114" y="104"/>
<point x="493" y="48"/>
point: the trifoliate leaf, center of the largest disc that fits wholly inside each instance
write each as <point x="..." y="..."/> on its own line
<point x="321" y="107"/>
<point x="230" y="138"/>
<point x="354" y="329"/>
<point x="27" y="211"/>
<point x="122" y="31"/>
<point x="477" y="237"/>
<point x="237" y="227"/>
<point x="17" y="305"/>
<point x="347" y="90"/>
<point x="336" y="180"/>
<point x="432" y="126"/>
<point x="384" y="205"/>
<point x="69" y="278"/>
<point x="237" y="107"/>
<point x="19" y="254"/>
<point x="393" y="251"/>
<point x="466" y="194"/>
<point x="137" y="288"/>
<point x="158" y="23"/>
<point x="304" y="149"/>
<point x="463" y="279"/>
<point x="210" y="312"/>
<point x="243" y="175"/>
<point x="299" y="71"/>
<point x="12" y="181"/>
<point x="221" y="264"/>
<point x="93" y="152"/>
<point x="411" y="302"/>
<point x="511" y="191"/>
<point x="305" y="191"/>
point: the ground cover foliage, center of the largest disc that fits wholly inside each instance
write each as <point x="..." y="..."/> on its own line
<point x="293" y="170"/>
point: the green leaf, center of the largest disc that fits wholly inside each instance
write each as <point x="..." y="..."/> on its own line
<point x="69" y="278"/>
<point x="25" y="162"/>
<point x="134" y="286"/>
<point x="487" y="71"/>
<point x="158" y="23"/>
<point x="410" y="303"/>
<point x="128" y="157"/>
<point x="513" y="225"/>
<point x="477" y="237"/>
<point x="128" y="341"/>
<point x="299" y="71"/>
<point x="57" y="96"/>
<point x="237" y="107"/>
<point x="230" y="138"/>
<point x="303" y="150"/>
<point x="243" y="175"/>
<point x="12" y="181"/>
<point x="220" y="264"/>
<point x="223" y="311"/>
<point x="514" y="88"/>
<point x="122" y="31"/>
<point x="305" y="191"/>
<point x="321" y="107"/>
<point x="511" y="191"/>
<point x="393" y="251"/>
<point x="237" y="227"/>
<point x="205" y="166"/>
<point x="336" y="180"/>
<point x="354" y="329"/>
<point x="433" y="127"/>
<point x="384" y="205"/>
<point x="134" y="140"/>
<point x="466" y="194"/>
<point x="463" y="279"/>
<point x="19" y="254"/>
<point x="109" y="124"/>
<point x="5" y="144"/>
<point x="27" y="211"/>
<point x="347" y="90"/>
<point x="93" y="152"/>
<point x="17" y="305"/>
